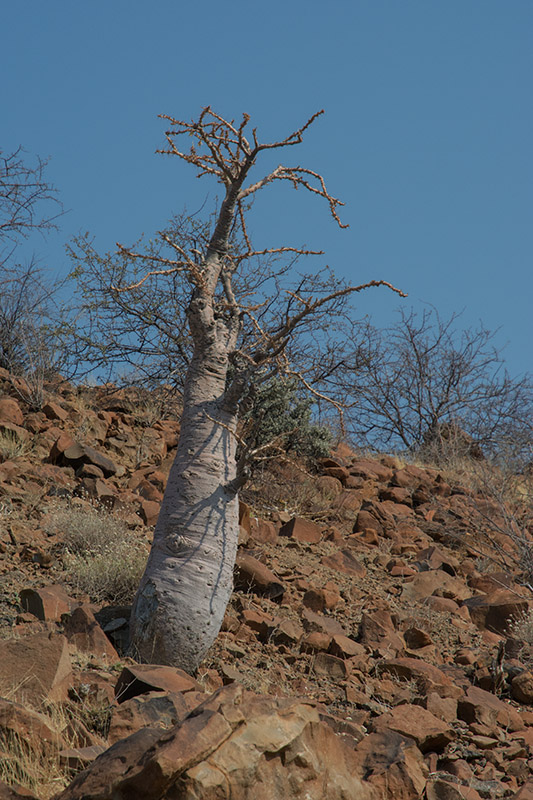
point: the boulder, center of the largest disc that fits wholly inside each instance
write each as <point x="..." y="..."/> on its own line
<point x="263" y="531"/>
<point x="303" y="530"/>
<point x="236" y="745"/>
<point x="155" y="710"/>
<point x="11" y="792"/>
<point x="48" y="603"/>
<point x="76" y="454"/>
<point x="84" y="632"/>
<point x="344" y="561"/>
<point x="252" y="575"/>
<point x="392" y="765"/>
<point x="522" y="687"/>
<point x="30" y="726"/>
<point x="435" y="582"/>
<point x="426" y="675"/>
<point x="429" y="732"/>
<point x="10" y="411"/>
<point x="480" y="706"/>
<point x="496" y="611"/>
<point x="139" y="679"/>
<point x="441" y="789"/>
<point x="35" y="668"/>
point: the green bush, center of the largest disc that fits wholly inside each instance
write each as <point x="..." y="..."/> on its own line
<point x="280" y="414"/>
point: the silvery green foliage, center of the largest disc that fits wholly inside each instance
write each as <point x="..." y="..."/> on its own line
<point x="281" y="414"/>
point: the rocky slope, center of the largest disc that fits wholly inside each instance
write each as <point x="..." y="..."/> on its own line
<point x="370" y="649"/>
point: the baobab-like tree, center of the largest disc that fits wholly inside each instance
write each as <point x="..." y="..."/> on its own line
<point x="241" y="322"/>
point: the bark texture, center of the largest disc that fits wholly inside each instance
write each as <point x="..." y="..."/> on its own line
<point x="185" y="589"/>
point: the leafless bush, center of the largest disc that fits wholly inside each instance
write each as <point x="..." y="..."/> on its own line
<point x="425" y="384"/>
<point x="29" y="313"/>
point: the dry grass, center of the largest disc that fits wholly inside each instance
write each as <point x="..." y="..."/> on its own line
<point x="37" y="765"/>
<point x="12" y="446"/>
<point x="101" y="555"/>
<point x="292" y="490"/>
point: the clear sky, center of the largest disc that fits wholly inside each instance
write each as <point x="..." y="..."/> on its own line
<point x="427" y="137"/>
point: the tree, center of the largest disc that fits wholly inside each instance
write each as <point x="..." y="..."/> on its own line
<point x="242" y="323"/>
<point x="28" y="205"/>
<point x="424" y="383"/>
<point x="28" y="202"/>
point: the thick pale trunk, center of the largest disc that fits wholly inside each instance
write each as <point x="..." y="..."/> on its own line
<point x="180" y="604"/>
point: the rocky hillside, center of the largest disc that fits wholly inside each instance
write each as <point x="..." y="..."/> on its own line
<point x="378" y="643"/>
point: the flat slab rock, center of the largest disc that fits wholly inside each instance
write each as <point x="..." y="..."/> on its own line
<point x="429" y="732"/>
<point x="237" y="744"/>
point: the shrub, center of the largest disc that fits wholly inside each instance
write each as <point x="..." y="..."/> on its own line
<point x="101" y="555"/>
<point x="279" y="418"/>
<point x="11" y="445"/>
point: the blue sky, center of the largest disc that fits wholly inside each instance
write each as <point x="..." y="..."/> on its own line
<point x="426" y="137"/>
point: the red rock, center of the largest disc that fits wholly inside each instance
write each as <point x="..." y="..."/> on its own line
<point x="429" y="732"/>
<point x="395" y="494"/>
<point x="330" y="666"/>
<point x="367" y="522"/>
<point x="97" y="780"/>
<point x="411" y="477"/>
<point x="344" y="561"/>
<point x="330" y="485"/>
<point x="440" y="789"/>
<point x="77" y="758"/>
<point x="444" y="708"/>
<point x="139" y="679"/>
<point x="303" y="530"/>
<point x="336" y="471"/>
<point x="287" y="632"/>
<point x="431" y="677"/>
<point x="252" y="575"/>
<point x="10" y="411"/>
<point x="316" y="642"/>
<point x="54" y="411"/>
<point x="258" y="621"/>
<point x="62" y="443"/>
<point x="375" y="626"/>
<point x="47" y="603"/>
<point x="525" y="792"/>
<point x="248" y="743"/>
<point x="477" y="705"/>
<point x="77" y="454"/>
<point x="89" y="471"/>
<point x="402" y="572"/>
<point x="393" y="765"/>
<point x="149" y="511"/>
<point x="416" y="638"/>
<point x="435" y="581"/>
<point x="33" y="728"/>
<point x="83" y="631"/>
<point x="434" y="558"/>
<point x="371" y="470"/>
<point x="263" y="531"/>
<point x="344" y="647"/>
<point x="12" y="792"/>
<point x="318" y="622"/>
<point x="148" y="491"/>
<point x="522" y="687"/>
<point x="367" y="537"/>
<point x="155" y="710"/>
<point x="496" y="611"/>
<point x="35" y="668"/>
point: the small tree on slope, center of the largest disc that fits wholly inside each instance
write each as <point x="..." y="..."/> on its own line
<point x="180" y="604"/>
